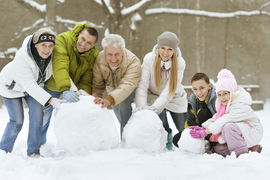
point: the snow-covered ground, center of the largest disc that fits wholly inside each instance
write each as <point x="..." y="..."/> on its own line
<point x="131" y="164"/>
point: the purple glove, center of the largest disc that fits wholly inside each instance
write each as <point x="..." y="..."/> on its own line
<point x="198" y="132"/>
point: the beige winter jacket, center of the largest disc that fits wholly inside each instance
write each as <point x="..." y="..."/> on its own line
<point x="119" y="83"/>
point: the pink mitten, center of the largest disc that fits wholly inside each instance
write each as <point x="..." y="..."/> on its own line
<point x="199" y="133"/>
<point x="195" y="127"/>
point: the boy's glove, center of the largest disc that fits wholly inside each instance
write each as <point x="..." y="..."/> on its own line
<point x="197" y="132"/>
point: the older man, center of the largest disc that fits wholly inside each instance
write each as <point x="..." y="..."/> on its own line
<point x="118" y="71"/>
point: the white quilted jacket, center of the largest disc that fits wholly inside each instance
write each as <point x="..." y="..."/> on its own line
<point x="147" y="93"/>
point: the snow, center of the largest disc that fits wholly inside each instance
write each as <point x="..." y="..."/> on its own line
<point x="68" y="21"/>
<point x="41" y="8"/>
<point x="136" y="17"/>
<point x="61" y="1"/>
<point x="145" y="131"/>
<point x="189" y="144"/>
<point x="204" y="13"/>
<point x="8" y="51"/>
<point x="84" y="126"/>
<point x="133" y="164"/>
<point x="37" y="22"/>
<point x="108" y="5"/>
<point x="134" y="7"/>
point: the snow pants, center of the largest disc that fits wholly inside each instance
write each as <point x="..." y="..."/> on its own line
<point x="234" y="141"/>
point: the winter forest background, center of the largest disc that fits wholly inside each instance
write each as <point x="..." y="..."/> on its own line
<point x="213" y="33"/>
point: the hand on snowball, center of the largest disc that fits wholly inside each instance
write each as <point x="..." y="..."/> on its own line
<point x="83" y="92"/>
<point x="71" y="96"/>
<point x="137" y="109"/>
<point x="104" y="102"/>
<point x="197" y="132"/>
<point x="56" y="103"/>
<point x="151" y="108"/>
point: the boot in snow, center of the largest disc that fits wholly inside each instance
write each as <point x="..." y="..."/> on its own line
<point x="169" y="144"/>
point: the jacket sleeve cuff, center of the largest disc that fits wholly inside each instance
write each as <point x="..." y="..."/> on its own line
<point x="110" y="99"/>
<point x="48" y="102"/>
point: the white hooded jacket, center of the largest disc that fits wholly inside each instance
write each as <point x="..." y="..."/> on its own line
<point x="147" y="93"/>
<point x="241" y="113"/>
<point x="19" y="77"/>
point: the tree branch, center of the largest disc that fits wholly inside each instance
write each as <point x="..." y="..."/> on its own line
<point x="106" y="8"/>
<point x="135" y="7"/>
<point x="194" y="12"/>
<point x="26" y="4"/>
<point x="138" y="7"/>
<point x="265" y="5"/>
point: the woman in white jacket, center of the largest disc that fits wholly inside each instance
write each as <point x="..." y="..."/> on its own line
<point x="23" y="78"/>
<point x="235" y="127"/>
<point x="160" y="87"/>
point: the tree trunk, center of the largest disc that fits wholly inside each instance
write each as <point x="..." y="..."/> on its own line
<point x="50" y="19"/>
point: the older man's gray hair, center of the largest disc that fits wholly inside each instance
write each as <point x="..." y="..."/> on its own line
<point x="114" y="40"/>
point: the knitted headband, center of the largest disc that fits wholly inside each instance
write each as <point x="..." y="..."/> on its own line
<point x="46" y="38"/>
<point x="44" y="35"/>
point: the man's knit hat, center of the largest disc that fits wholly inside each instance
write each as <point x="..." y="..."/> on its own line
<point x="44" y="35"/>
<point x="226" y="81"/>
<point x="168" y="39"/>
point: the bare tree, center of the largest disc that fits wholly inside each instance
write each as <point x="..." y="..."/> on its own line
<point x="117" y="12"/>
<point x="46" y="11"/>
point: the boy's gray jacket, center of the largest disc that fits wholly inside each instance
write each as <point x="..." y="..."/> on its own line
<point x="19" y="77"/>
<point x="147" y="93"/>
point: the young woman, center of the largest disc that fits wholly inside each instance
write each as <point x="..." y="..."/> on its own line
<point x="160" y="87"/>
<point x="235" y="126"/>
<point x="24" y="78"/>
<point x="201" y="104"/>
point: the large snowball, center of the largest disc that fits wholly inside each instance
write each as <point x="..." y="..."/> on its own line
<point x="84" y="126"/>
<point x="190" y="144"/>
<point x="144" y="130"/>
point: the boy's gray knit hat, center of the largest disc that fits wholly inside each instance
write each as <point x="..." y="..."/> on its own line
<point x="168" y="39"/>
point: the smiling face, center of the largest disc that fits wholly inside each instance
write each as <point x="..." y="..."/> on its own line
<point x="44" y="49"/>
<point x="201" y="88"/>
<point x="114" y="55"/>
<point x="165" y="52"/>
<point x="85" y="41"/>
<point x="224" y="97"/>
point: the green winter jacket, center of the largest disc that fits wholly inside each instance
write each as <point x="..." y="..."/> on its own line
<point x="69" y="64"/>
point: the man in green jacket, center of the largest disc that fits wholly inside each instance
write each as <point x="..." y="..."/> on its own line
<point x="73" y="59"/>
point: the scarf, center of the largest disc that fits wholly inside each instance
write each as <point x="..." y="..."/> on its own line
<point x="165" y="68"/>
<point x="217" y="137"/>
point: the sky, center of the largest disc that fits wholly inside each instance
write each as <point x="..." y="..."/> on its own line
<point x="121" y="163"/>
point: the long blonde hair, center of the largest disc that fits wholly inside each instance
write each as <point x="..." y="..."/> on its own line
<point x="173" y="73"/>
